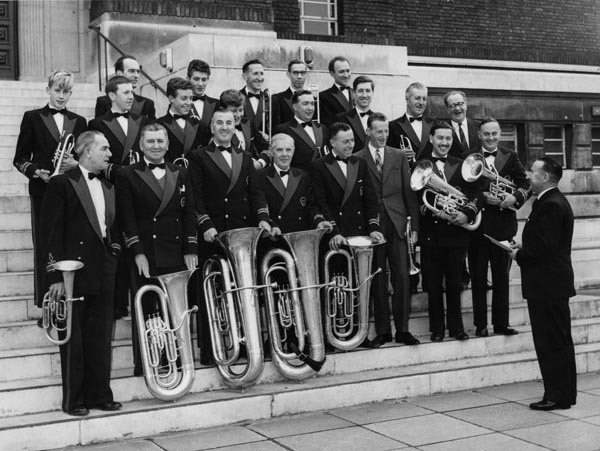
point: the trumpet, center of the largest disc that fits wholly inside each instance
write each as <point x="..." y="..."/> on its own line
<point x="181" y="161"/>
<point x="475" y="167"/>
<point x="267" y="109"/>
<point x="314" y="89"/>
<point x="406" y="146"/>
<point x="157" y="338"/>
<point x="134" y="157"/>
<point x="412" y="265"/>
<point x="292" y="304"/>
<point x="447" y="200"/>
<point x="66" y="143"/>
<point x="57" y="314"/>
<point x="347" y="293"/>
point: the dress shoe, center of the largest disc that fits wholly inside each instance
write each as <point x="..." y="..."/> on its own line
<point x="482" y="332"/>
<point x="461" y="336"/>
<point x="368" y="344"/>
<point x="437" y="337"/>
<point x="548" y="405"/>
<point x="138" y="371"/>
<point x="206" y="357"/>
<point x="380" y="340"/>
<point x="109" y="406"/>
<point x="79" y="411"/>
<point x="40" y="323"/>
<point x="407" y="338"/>
<point x="505" y="331"/>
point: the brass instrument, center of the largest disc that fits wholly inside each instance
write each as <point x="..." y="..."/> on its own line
<point x="412" y="265"/>
<point x="347" y="293"/>
<point x="267" y="110"/>
<point x="406" y="146"/>
<point x="314" y="89"/>
<point x="181" y="161"/>
<point x="475" y="167"/>
<point x="160" y="341"/>
<point x="447" y="200"/>
<point x="57" y="314"/>
<point x="66" y="143"/>
<point x="232" y="305"/>
<point x="134" y="157"/>
<point x="293" y="306"/>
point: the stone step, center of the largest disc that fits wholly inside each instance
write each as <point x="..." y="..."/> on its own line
<point x="16" y="283"/>
<point x="15" y="221"/>
<point x="29" y="103"/>
<point x="11" y="240"/>
<point x="18" y="308"/>
<point x="83" y="107"/>
<point x="583" y="205"/>
<point x="16" y="261"/>
<point x="14" y="204"/>
<point x="138" y="418"/>
<point x="8" y="86"/>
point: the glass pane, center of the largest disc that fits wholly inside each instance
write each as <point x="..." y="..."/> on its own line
<point x="557" y="156"/>
<point x="596" y="160"/>
<point x="595" y="132"/>
<point x="553" y="132"/>
<point x="316" y="10"/>
<point x="553" y="147"/>
<point x="508" y="144"/>
<point x="312" y="27"/>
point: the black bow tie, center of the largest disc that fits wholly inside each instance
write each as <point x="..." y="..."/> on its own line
<point x="342" y="159"/>
<point x="489" y="154"/>
<point x="92" y="176"/>
<point x="224" y="149"/>
<point x="436" y="159"/>
<point x="343" y="88"/>
<point x="251" y="94"/>
<point x="179" y="116"/>
<point x="418" y="118"/>
<point x="282" y="173"/>
<point x="202" y="97"/>
<point x="125" y="115"/>
<point x="366" y="113"/>
<point x="54" y="111"/>
<point x="154" y="166"/>
<point x="306" y="124"/>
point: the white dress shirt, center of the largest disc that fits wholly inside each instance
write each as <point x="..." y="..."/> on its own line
<point x="456" y="126"/>
<point x="309" y="130"/>
<point x="95" y="187"/>
<point x="416" y="125"/>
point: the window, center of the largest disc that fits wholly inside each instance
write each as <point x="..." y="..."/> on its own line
<point x="554" y="143"/>
<point x="508" y="138"/>
<point x="318" y="17"/>
<point x="596" y="146"/>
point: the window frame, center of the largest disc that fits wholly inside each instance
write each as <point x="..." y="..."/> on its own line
<point x="331" y="19"/>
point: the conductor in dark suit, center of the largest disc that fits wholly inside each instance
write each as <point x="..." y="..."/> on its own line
<point x="184" y="131"/>
<point x="203" y="106"/>
<point x="39" y="137"/>
<point x="79" y="216"/>
<point x="465" y="132"/>
<point x="282" y="101"/>
<point x="128" y="67"/>
<point x="548" y="282"/>
<point x="310" y="137"/>
<point x="412" y="127"/>
<point x="339" y="98"/>
<point x="499" y="221"/>
<point x="156" y="208"/>
<point x="390" y="174"/>
<point x="364" y="88"/>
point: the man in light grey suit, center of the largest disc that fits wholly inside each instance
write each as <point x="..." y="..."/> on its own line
<point x="391" y="177"/>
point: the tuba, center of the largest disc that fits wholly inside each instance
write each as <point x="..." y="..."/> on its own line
<point x="64" y="149"/>
<point x="447" y="200"/>
<point x="161" y="342"/>
<point x="347" y="293"/>
<point x="293" y="306"/>
<point x="267" y="110"/>
<point x="475" y="167"/>
<point x="58" y="314"/>
<point x="232" y="303"/>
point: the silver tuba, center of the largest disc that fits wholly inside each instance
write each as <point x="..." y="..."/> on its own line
<point x="447" y="200"/>
<point x="475" y="167"/>
<point x="347" y="293"/>
<point x="159" y="340"/>
<point x="232" y="304"/>
<point x="293" y="305"/>
<point x="58" y="314"/>
<point x="64" y="149"/>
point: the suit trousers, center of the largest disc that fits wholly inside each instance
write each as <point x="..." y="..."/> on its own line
<point x="443" y="263"/>
<point x="551" y="330"/>
<point x="482" y="251"/>
<point x="86" y="358"/>
<point x="394" y="252"/>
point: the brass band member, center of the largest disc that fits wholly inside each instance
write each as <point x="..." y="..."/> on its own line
<point x="253" y="74"/>
<point x="339" y="98"/>
<point x="38" y="141"/>
<point x="465" y="132"/>
<point x="203" y="106"/>
<point x="79" y="216"/>
<point x="297" y="73"/>
<point x="364" y="89"/>
<point x="390" y="174"/>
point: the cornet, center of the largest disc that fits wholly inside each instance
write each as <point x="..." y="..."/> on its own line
<point x="66" y="143"/>
<point x="447" y="201"/>
<point x="267" y="117"/>
<point x="57" y="314"/>
<point x="134" y="157"/>
<point x="412" y="265"/>
<point x="474" y="167"/>
<point x="406" y="146"/>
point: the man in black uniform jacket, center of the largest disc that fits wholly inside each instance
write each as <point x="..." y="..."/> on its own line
<point x="79" y="217"/>
<point x="499" y="221"/>
<point x="357" y="117"/>
<point x="282" y="101"/>
<point x="203" y="106"/>
<point x="226" y="195"/>
<point x="309" y="136"/>
<point x="155" y="205"/>
<point x="128" y="67"/>
<point x="339" y="98"/>
<point x="39" y="137"/>
<point x="548" y="283"/>
<point x="253" y="74"/>
<point x="443" y="239"/>
<point x="184" y="131"/>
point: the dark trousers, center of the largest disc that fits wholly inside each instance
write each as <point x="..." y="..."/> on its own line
<point x="443" y="263"/>
<point x="394" y="252"/>
<point x="122" y="282"/>
<point x="85" y="360"/>
<point x="39" y="255"/>
<point x="482" y="251"/>
<point x="551" y="330"/>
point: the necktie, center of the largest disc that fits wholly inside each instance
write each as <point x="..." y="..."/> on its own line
<point x="342" y="159"/>
<point x="489" y="154"/>
<point x="251" y="94"/>
<point x="436" y="159"/>
<point x="366" y="113"/>
<point x="461" y="135"/>
<point x="284" y="173"/>
<point x="378" y="160"/>
<point x="306" y="124"/>
<point x="92" y="176"/>
<point x="224" y="149"/>
<point x="412" y="119"/>
<point x="202" y="97"/>
<point x="125" y="115"/>
<point x="179" y="116"/>
<point x="54" y="111"/>
<point x="154" y="166"/>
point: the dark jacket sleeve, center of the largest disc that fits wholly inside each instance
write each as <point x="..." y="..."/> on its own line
<point x="190" y="245"/>
<point x="126" y="214"/>
<point x="320" y="192"/>
<point x="52" y="216"/>
<point x="196" y="169"/>
<point x="258" y="200"/>
<point x="25" y="144"/>
<point x="370" y="202"/>
<point x="102" y="106"/>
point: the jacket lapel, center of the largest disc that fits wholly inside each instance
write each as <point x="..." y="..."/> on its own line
<point x="83" y="193"/>
<point x="133" y="126"/>
<point x="389" y="160"/>
<point x="191" y="130"/>
<point x="207" y="112"/>
<point x="215" y="155"/>
<point x="146" y="175"/>
<point x="371" y="164"/>
<point x="287" y="98"/>
<point x="109" y="208"/>
<point x="357" y="125"/>
<point x="247" y="131"/>
<point x="138" y="105"/>
<point x="117" y="131"/>
<point x="48" y="121"/>
<point x="352" y="175"/>
<point x="341" y="98"/>
<point x="236" y="168"/>
<point x="170" y="183"/>
<point x="450" y="168"/>
<point x="501" y="159"/>
<point x="174" y="128"/>
<point x="337" y="173"/>
<point x="69" y="125"/>
<point x="404" y="123"/>
<point x="424" y="134"/>
<point x="299" y="130"/>
<point x="275" y="180"/>
<point x="293" y="181"/>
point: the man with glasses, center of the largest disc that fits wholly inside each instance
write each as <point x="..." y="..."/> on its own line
<point x="465" y="132"/>
<point x="282" y="101"/>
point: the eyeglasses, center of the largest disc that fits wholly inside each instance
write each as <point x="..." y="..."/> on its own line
<point x="299" y="73"/>
<point x="457" y="105"/>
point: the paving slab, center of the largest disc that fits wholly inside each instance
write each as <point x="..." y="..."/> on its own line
<point x="588" y="405"/>
<point x="489" y="442"/>
<point x="299" y="424"/>
<point x="588" y="381"/>
<point x="121" y="445"/>
<point x="377" y="412"/>
<point x="209" y="439"/>
<point x="514" y="392"/>
<point x="256" y="446"/>
<point x="454" y="401"/>
<point x="572" y="435"/>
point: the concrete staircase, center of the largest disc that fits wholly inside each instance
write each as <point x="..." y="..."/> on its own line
<point x="30" y="389"/>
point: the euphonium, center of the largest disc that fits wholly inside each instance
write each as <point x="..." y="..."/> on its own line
<point x="57" y="314"/>
<point x="232" y="305"/>
<point x="293" y="306"/>
<point x="347" y="294"/>
<point x="412" y="265"/>
<point x="64" y="149"/>
<point x="267" y="110"/>
<point x="474" y="167"/>
<point x="156" y="336"/>
<point x="447" y="200"/>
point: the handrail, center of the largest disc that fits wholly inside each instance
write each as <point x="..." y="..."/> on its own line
<point x="100" y="35"/>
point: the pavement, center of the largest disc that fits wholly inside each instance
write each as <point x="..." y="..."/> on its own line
<point x="489" y="419"/>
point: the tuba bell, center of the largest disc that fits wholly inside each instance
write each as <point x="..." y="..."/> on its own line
<point x="447" y="201"/>
<point x="293" y="305"/>
<point x="57" y="314"/>
<point x="474" y="167"/>
<point x="229" y="283"/>
<point x="63" y="150"/>
<point x="347" y="293"/>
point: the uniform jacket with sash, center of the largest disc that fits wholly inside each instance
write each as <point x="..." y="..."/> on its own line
<point x="333" y="101"/>
<point x="142" y="106"/>
<point x="306" y="150"/>
<point x="402" y="127"/>
<point x="352" y="118"/>
<point x="182" y="140"/>
<point x="37" y="143"/>
<point x="210" y="105"/>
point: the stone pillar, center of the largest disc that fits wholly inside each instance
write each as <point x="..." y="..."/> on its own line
<point x="581" y="151"/>
<point x="33" y="25"/>
<point x="534" y="141"/>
